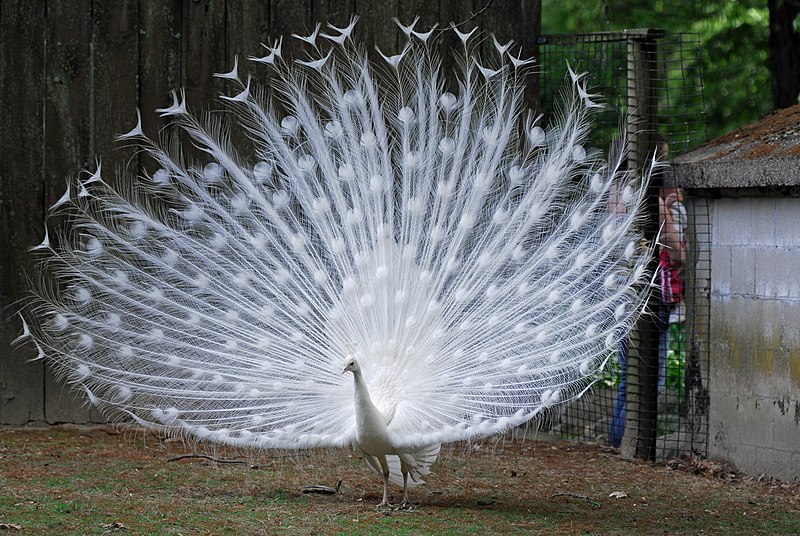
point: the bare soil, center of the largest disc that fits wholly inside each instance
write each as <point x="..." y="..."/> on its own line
<point x="67" y="480"/>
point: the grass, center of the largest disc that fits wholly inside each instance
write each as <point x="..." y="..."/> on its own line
<point x="97" y="481"/>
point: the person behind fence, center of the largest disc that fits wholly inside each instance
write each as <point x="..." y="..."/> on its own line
<point x="671" y="257"/>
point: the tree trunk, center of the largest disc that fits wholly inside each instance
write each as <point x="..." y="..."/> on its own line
<point x="784" y="52"/>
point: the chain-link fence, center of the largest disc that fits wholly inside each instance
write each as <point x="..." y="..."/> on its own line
<point x="652" y="399"/>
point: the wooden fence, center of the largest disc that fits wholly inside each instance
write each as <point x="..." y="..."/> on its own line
<point x="73" y="73"/>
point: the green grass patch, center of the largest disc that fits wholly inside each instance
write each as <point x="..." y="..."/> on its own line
<point x="95" y="481"/>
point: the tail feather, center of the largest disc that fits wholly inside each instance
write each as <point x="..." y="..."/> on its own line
<point x="418" y="463"/>
<point x="475" y="261"/>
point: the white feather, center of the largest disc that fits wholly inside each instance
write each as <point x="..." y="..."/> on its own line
<point x="473" y="268"/>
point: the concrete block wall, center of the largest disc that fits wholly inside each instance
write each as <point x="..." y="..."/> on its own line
<point x="754" y="384"/>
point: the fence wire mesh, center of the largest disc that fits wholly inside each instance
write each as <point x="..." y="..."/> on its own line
<point x="652" y="87"/>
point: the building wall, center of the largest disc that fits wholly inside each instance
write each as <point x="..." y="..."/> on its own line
<point x="755" y="335"/>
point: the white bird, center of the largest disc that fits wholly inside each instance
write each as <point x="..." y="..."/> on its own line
<point x="374" y="444"/>
<point x="467" y="264"/>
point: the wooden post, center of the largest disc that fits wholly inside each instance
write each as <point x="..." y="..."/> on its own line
<point x="22" y="64"/>
<point x="643" y="358"/>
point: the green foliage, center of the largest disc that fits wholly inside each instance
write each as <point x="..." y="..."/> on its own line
<point x="611" y="375"/>
<point x="676" y="359"/>
<point x="734" y="51"/>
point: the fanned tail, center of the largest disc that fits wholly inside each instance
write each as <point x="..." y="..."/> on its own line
<point x="480" y="265"/>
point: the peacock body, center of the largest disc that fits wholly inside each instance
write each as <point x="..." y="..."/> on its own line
<point x="469" y="267"/>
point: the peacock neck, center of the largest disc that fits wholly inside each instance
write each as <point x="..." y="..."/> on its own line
<point x="361" y="393"/>
<point x="365" y="407"/>
<point x="371" y="433"/>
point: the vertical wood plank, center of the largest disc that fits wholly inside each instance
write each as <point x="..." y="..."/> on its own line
<point x="377" y="27"/>
<point x="520" y="21"/>
<point x="67" y="138"/>
<point x="115" y="53"/>
<point x="67" y="106"/>
<point x="457" y="13"/>
<point x="160" y="61"/>
<point x="113" y="98"/>
<point x="334" y="12"/>
<point x="204" y="53"/>
<point x="247" y="27"/>
<point x="287" y="17"/>
<point x="642" y="128"/>
<point x="22" y="35"/>
<point x="429" y="13"/>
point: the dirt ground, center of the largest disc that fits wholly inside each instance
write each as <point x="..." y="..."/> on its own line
<point x="68" y="480"/>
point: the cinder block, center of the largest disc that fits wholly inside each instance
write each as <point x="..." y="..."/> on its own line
<point x="793" y="471"/>
<point x="763" y="219"/>
<point x="743" y="267"/>
<point x="790" y="318"/>
<point x="722" y="422"/>
<point x="747" y="419"/>
<point x="719" y="379"/>
<point x="786" y="430"/>
<point x="787" y="221"/>
<point x="720" y="323"/>
<point x="744" y="457"/>
<point x="733" y="222"/>
<point x="721" y="270"/>
<point x="794" y="374"/>
<point x="739" y="316"/>
<point x="770" y="322"/>
<point x="757" y="434"/>
<point x="773" y="462"/>
<point x="792" y="260"/>
<point x="713" y="213"/>
<point x="772" y="272"/>
<point x="780" y="386"/>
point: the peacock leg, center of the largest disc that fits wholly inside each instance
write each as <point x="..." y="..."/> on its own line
<point x="404" y="470"/>
<point x="385" y="469"/>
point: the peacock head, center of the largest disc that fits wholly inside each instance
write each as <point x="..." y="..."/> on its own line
<point x="350" y="364"/>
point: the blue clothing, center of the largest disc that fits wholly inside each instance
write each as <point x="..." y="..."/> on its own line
<point x="617" y="428"/>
